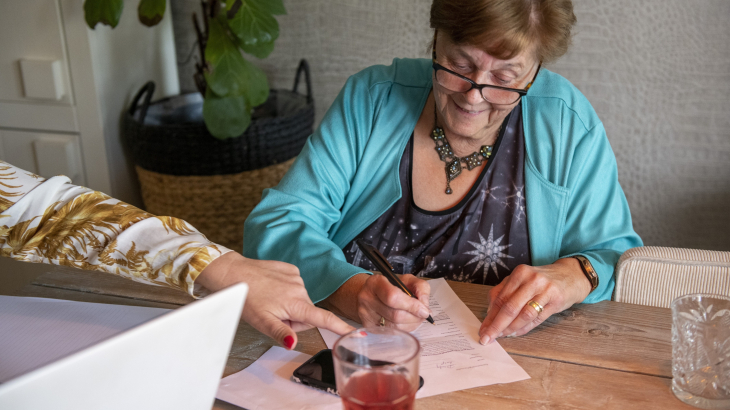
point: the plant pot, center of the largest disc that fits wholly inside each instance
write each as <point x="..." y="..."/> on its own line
<point x="214" y="184"/>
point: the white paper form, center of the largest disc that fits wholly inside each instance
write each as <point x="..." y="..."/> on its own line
<point x="266" y="384"/>
<point x="451" y="356"/>
<point x="38" y="331"/>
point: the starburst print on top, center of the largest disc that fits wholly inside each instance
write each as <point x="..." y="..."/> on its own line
<point x="488" y="253"/>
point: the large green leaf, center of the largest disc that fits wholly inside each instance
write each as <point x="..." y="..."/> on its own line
<point x="103" y="11"/>
<point x="254" y="25"/>
<point x="150" y="12"/>
<point x="225" y="62"/>
<point x="230" y="74"/>
<point x="226" y="117"/>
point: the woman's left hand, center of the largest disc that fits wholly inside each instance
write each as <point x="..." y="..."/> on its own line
<point x="555" y="287"/>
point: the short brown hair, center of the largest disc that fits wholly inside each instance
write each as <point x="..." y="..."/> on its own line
<point x="504" y="28"/>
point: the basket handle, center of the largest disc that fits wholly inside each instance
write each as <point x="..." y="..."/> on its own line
<point x="304" y="66"/>
<point x="147" y="90"/>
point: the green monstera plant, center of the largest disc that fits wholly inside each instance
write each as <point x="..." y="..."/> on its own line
<point x="230" y="84"/>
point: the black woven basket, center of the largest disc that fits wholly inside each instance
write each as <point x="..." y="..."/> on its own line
<point x="169" y="136"/>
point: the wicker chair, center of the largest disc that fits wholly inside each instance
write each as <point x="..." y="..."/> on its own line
<point x="654" y="276"/>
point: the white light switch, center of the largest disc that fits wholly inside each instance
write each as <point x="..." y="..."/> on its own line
<point x="42" y="79"/>
<point x="56" y="156"/>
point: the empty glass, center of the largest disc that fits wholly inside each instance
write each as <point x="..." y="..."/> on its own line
<point x="701" y="350"/>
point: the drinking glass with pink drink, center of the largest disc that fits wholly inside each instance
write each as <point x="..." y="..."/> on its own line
<point x="377" y="368"/>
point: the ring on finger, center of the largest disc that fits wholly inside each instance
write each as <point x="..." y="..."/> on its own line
<point x="382" y="321"/>
<point x="538" y="307"/>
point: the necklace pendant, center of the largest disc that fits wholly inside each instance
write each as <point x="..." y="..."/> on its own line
<point x="453" y="169"/>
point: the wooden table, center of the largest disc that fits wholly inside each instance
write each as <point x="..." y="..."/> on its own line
<point x="608" y="355"/>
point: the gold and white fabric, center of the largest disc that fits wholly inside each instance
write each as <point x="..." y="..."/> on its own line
<point x="654" y="276"/>
<point x="53" y="221"/>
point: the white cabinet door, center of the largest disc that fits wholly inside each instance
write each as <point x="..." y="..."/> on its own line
<point x="30" y="30"/>
<point x="46" y="154"/>
<point x="35" y="86"/>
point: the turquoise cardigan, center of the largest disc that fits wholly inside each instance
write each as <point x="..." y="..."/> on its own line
<point x="347" y="176"/>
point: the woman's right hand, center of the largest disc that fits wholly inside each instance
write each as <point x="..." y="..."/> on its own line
<point x="378" y="298"/>
<point x="367" y="298"/>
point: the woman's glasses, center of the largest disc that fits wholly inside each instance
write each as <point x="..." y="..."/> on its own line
<point x="493" y="94"/>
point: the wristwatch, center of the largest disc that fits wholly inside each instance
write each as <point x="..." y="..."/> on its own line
<point x="588" y="270"/>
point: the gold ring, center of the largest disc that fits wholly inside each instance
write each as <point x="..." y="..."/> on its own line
<point x="382" y="321"/>
<point x="535" y="306"/>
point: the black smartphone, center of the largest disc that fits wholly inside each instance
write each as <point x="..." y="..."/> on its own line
<point x="319" y="370"/>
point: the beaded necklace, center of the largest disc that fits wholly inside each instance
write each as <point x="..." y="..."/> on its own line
<point x="453" y="163"/>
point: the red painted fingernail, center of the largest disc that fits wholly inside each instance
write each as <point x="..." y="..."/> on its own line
<point x="289" y="342"/>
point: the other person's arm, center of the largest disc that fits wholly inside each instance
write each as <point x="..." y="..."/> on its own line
<point x="53" y="221"/>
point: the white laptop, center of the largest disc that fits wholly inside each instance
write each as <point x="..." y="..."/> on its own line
<point x="173" y="361"/>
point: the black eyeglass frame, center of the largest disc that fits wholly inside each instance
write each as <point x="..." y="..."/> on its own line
<point x="521" y="91"/>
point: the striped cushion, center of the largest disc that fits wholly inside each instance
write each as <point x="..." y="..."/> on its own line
<point x="654" y="275"/>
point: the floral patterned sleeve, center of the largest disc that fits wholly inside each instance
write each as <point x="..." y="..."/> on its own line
<point x="53" y="221"/>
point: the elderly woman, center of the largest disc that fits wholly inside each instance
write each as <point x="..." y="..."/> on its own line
<point x="477" y="166"/>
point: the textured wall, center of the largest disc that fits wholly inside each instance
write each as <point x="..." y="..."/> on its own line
<point x="657" y="72"/>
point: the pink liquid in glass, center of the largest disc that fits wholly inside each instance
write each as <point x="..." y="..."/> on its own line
<point x="378" y="391"/>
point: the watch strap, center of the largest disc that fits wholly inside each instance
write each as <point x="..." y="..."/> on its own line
<point x="588" y="270"/>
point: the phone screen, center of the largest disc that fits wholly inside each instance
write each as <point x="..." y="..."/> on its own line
<point x="319" y="371"/>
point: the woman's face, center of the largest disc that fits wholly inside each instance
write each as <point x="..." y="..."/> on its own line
<point x="468" y="115"/>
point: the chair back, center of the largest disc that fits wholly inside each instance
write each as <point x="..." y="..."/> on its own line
<point x="654" y="275"/>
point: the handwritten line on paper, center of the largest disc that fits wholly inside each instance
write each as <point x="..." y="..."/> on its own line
<point x="432" y="348"/>
<point x="451" y="357"/>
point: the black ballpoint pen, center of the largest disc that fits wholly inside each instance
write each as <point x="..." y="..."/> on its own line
<point x="385" y="268"/>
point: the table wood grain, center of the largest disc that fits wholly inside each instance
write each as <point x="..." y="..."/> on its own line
<point x="611" y="335"/>
<point x="607" y="355"/>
